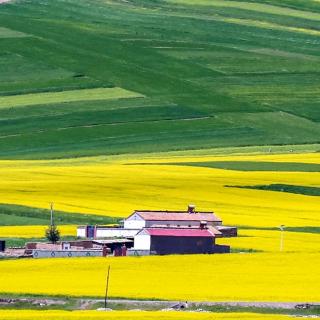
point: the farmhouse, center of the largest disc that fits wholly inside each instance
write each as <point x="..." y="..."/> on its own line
<point x="173" y="219"/>
<point x="167" y="232"/>
<point x="140" y="219"/>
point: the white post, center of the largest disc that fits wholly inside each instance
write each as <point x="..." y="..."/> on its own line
<point x="281" y="236"/>
<point x="51" y="214"/>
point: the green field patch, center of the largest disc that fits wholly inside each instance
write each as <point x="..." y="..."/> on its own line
<point x="238" y="63"/>
<point x="16" y="68"/>
<point x="303" y="190"/>
<point x="312" y="6"/>
<point x="252" y="20"/>
<point x="253" y="165"/>
<point x="304" y="229"/>
<point x="20" y="74"/>
<point x="221" y="130"/>
<point x="230" y="61"/>
<point x="67" y="96"/>
<point x="309" y="109"/>
<point x="256" y="7"/>
<point x="61" y="109"/>
<point x="131" y="137"/>
<point x="15" y="215"/>
<point x="8" y="33"/>
<point x="94" y="117"/>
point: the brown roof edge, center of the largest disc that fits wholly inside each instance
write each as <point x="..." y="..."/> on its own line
<point x="178" y="216"/>
<point x="170" y="211"/>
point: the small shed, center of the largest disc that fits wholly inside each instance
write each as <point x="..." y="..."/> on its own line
<point x="174" y="241"/>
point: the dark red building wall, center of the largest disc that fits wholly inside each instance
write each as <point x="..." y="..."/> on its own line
<point x="180" y="245"/>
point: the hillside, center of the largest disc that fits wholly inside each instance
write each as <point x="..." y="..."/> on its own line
<point x="102" y="77"/>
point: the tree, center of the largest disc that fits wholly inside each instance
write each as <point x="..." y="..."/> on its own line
<point x="52" y="234"/>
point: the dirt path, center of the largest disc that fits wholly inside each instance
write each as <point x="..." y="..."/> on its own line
<point x="258" y="304"/>
<point x="126" y="304"/>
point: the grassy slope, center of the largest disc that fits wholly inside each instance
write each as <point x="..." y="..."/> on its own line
<point x="308" y="191"/>
<point x="253" y="165"/>
<point x="13" y="215"/>
<point x="241" y="82"/>
<point x="49" y="98"/>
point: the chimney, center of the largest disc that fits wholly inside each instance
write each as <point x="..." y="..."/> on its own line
<point x="191" y="208"/>
<point x="203" y="225"/>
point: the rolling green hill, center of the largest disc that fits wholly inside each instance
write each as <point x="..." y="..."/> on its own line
<point x="156" y="75"/>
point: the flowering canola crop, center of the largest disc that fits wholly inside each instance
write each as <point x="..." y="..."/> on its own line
<point x="229" y="277"/>
<point x="117" y="187"/>
<point x="33" y="231"/>
<point x="269" y="241"/>
<point x="130" y="315"/>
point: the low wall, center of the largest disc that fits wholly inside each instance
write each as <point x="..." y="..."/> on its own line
<point x="133" y="252"/>
<point x="66" y="253"/>
<point x="116" y="233"/>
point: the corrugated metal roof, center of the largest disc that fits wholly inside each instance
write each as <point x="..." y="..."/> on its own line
<point x="226" y="227"/>
<point x="215" y="231"/>
<point x="175" y="232"/>
<point x="177" y="216"/>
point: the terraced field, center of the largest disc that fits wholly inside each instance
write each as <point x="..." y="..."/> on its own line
<point x="212" y="73"/>
<point x="65" y="97"/>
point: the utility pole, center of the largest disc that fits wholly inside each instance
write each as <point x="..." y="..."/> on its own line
<point x="281" y="236"/>
<point x="51" y="215"/>
<point x="107" y="288"/>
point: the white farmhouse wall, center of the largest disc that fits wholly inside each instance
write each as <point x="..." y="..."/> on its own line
<point x="177" y="224"/>
<point x="134" y="222"/>
<point x="81" y="232"/>
<point x="171" y="224"/>
<point x="116" y="233"/>
<point x="142" y="242"/>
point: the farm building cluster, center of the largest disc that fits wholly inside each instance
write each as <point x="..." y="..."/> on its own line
<point x="166" y="232"/>
<point x="142" y="233"/>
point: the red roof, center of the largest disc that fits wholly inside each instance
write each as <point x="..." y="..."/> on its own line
<point x="177" y="216"/>
<point x="175" y="232"/>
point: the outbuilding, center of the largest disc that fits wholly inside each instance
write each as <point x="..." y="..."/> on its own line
<point x="174" y="241"/>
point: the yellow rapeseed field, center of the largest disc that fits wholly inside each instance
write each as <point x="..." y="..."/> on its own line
<point x="269" y="241"/>
<point x="112" y="187"/>
<point x="229" y="277"/>
<point x="115" y="186"/>
<point x="130" y="315"/>
<point x="33" y="231"/>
